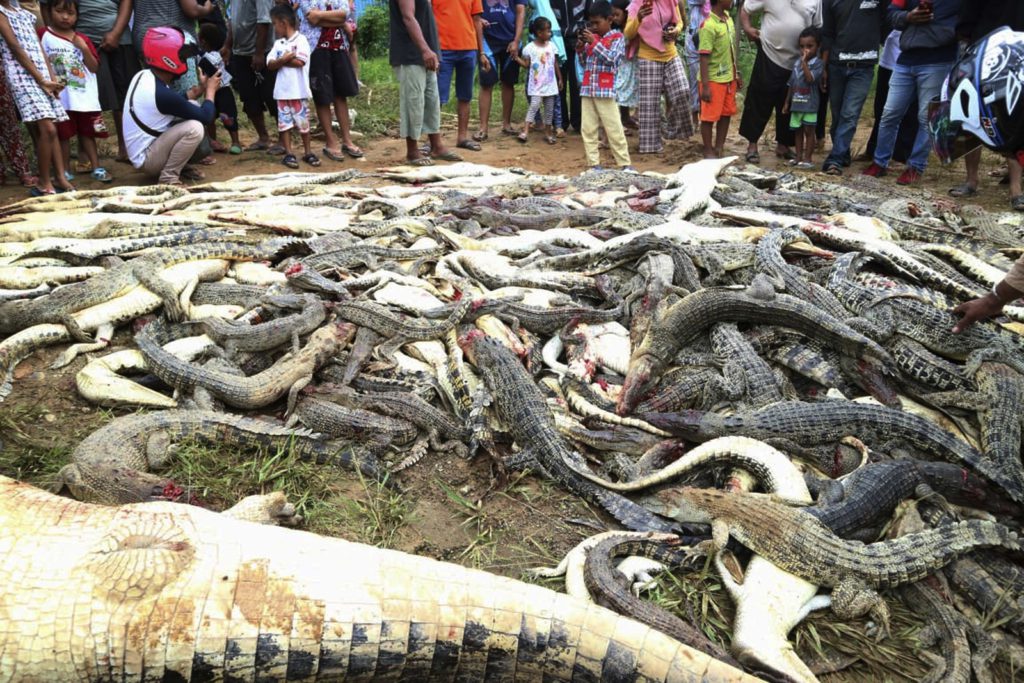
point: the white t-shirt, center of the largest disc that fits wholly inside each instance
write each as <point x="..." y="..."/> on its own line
<point x="890" y="51"/>
<point x="81" y="89"/>
<point x="781" y="25"/>
<point x="543" y="81"/>
<point x="292" y="81"/>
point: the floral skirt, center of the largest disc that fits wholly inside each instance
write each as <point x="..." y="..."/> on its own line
<point x="626" y="84"/>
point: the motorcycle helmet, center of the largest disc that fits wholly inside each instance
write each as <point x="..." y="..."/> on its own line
<point x="165" y="48"/>
<point x="982" y="98"/>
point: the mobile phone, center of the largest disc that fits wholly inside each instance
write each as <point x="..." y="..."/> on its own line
<point x="925" y="5"/>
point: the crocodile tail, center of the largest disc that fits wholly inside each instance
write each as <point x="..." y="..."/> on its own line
<point x="985" y="533"/>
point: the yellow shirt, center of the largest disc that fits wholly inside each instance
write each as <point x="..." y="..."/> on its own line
<point x="716" y="41"/>
<point x="645" y="51"/>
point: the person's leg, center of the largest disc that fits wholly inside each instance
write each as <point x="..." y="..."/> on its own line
<point x="810" y="140"/>
<point x="709" y="112"/>
<point x="848" y="92"/>
<point x="412" y="81"/>
<point x="796" y="123"/>
<point x="928" y="81"/>
<point x="549" y="116"/>
<point x="244" y="83"/>
<point x="465" y="67"/>
<point x="819" y="127"/>
<point x="508" y="100"/>
<point x="432" y="115"/>
<point x="65" y="151"/>
<point x="706" y="133"/>
<point x="721" y="134"/>
<point x="901" y="90"/>
<point x="227" y="112"/>
<point x="609" y="116"/>
<point x="759" y="103"/>
<point x="725" y="114"/>
<point x="785" y="137"/>
<point x="531" y="113"/>
<point x="878" y="106"/>
<point x="973" y="162"/>
<point x="171" y="151"/>
<point x="649" y="75"/>
<point x="677" y="94"/>
<point x="1016" y="193"/>
<point x="572" y="115"/>
<point x="346" y="85"/>
<point x="45" y="145"/>
<point x="321" y="86"/>
<point x="87" y="146"/>
<point x="589" y="123"/>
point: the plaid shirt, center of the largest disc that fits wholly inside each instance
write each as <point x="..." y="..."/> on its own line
<point x="600" y="60"/>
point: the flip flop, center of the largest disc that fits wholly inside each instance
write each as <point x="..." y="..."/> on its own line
<point x="522" y="138"/>
<point x="1017" y="203"/>
<point x="311" y="159"/>
<point x="290" y="161"/>
<point x="353" y="152"/>
<point x="468" y="144"/>
<point x="207" y="161"/>
<point x="480" y="136"/>
<point x="963" y="190"/>
<point x="448" y="155"/>
<point x="218" y="147"/>
<point x="276" y="150"/>
<point x="332" y="155"/>
<point x="257" y="147"/>
<point x="234" y="149"/>
<point x="551" y="140"/>
<point x="420" y="161"/>
<point x="38" y="192"/>
<point x="509" y="131"/>
<point x="753" y="158"/>
<point x="788" y="155"/>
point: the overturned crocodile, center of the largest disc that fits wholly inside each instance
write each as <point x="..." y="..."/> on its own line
<point x="181" y="593"/>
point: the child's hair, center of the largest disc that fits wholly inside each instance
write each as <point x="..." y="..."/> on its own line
<point x="211" y="36"/>
<point x="284" y="13"/>
<point x="539" y="24"/>
<point x="811" y="32"/>
<point x="601" y="9"/>
<point x="57" y="4"/>
<point x="623" y="4"/>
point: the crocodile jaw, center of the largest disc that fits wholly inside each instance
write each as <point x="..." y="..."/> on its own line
<point x="638" y="380"/>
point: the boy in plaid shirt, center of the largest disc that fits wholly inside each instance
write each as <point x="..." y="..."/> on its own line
<point x="600" y="50"/>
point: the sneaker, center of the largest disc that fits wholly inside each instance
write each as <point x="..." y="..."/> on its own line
<point x="910" y="176"/>
<point x="101" y="175"/>
<point x="875" y="171"/>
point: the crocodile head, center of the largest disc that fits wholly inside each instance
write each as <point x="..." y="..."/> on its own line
<point x="683" y="423"/>
<point x="637" y="382"/>
<point x="117" y="485"/>
<point x="673" y="504"/>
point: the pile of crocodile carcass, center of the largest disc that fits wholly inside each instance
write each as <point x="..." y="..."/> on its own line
<point x="765" y="354"/>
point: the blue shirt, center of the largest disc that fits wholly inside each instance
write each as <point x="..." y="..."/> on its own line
<point x="501" y="17"/>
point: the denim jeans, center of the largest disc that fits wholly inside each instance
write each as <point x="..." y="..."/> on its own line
<point x="926" y="82"/>
<point x="848" y="89"/>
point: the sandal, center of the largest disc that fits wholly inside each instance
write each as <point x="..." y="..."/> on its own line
<point x="332" y="155"/>
<point x="509" y="131"/>
<point x="479" y="136"/>
<point x="753" y="158"/>
<point x="276" y="150"/>
<point x="29" y="180"/>
<point x="189" y="173"/>
<point x="468" y="144"/>
<point x="207" y="161"/>
<point x="39" y="192"/>
<point x="788" y="155"/>
<point x="101" y="175"/>
<point x="522" y="138"/>
<point x="447" y="155"/>
<point x="420" y="161"/>
<point x="258" y="146"/>
<point x="234" y="149"/>
<point x="551" y="139"/>
<point x="963" y="190"/>
<point x="218" y="146"/>
<point x="833" y="169"/>
<point x="290" y="161"/>
<point x="311" y="159"/>
<point x="1017" y="203"/>
<point x="353" y="151"/>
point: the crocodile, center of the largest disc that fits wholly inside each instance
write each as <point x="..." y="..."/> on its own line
<point x="797" y="542"/>
<point x="241" y="336"/>
<point x="924" y="368"/>
<point x="681" y="387"/>
<point x="309" y="279"/>
<point x="523" y="409"/>
<point x="688" y="318"/>
<point x="794" y="424"/>
<point x="401" y="329"/>
<point x="220" y="293"/>
<point x="113" y="464"/>
<point x="749" y="380"/>
<point x="187" y="594"/>
<point x="367" y="254"/>
<point x="604" y="584"/>
<point x="354" y="423"/>
<point x="287" y="376"/>
<point x="59" y="306"/>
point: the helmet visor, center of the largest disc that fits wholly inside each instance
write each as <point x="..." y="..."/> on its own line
<point x="949" y="140"/>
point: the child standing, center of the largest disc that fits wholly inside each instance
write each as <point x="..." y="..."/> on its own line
<point x="545" y="78"/>
<point x="75" y="61"/>
<point x="211" y="40"/>
<point x="804" y="97"/>
<point x="600" y="50"/>
<point x="35" y="90"/>
<point x="290" y="59"/>
<point x="719" y="78"/>
<point x="626" y="75"/>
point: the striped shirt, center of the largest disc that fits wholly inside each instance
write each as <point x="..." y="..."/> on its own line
<point x="600" y="60"/>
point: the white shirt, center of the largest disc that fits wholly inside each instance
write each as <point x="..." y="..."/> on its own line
<point x="781" y="25"/>
<point x="292" y="81"/>
<point x="891" y="50"/>
<point x="81" y="89"/>
<point x="142" y="99"/>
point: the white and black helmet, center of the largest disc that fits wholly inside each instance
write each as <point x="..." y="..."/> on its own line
<point x="983" y="96"/>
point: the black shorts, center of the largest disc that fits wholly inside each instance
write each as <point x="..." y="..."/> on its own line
<point x="331" y="75"/>
<point x="117" y="69"/>
<point x="504" y="67"/>
<point x="255" y="90"/>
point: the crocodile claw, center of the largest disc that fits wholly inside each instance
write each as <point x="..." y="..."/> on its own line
<point x="636" y="384"/>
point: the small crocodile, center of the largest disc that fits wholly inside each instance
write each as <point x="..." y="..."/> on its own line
<point x="797" y="542"/>
<point x="241" y="336"/>
<point x="366" y="426"/>
<point x="112" y="465"/>
<point x="688" y="318"/>
<point x="749" y="380"/>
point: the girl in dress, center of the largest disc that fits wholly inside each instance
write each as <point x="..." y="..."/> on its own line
<point x="545" y="78"/>
<point x="35" y="90"/>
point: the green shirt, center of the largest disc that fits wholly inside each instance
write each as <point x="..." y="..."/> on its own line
<point x="716" y="41"/>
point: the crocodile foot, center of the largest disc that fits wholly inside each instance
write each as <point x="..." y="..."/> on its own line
<point x="271" y="508"/>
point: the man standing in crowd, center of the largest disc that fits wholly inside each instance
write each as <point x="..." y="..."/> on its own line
<point x="503" y="30"/>
<point x="571" y="16"/>
<point x="928" y="49"/>
<point x="977" y="20"/>
<point x="413" y="54"/>
<point x="851" y="30"/>
<point x="777" y="53"/>
<point x="248" y="42"/>
<point x="460" y="31"/>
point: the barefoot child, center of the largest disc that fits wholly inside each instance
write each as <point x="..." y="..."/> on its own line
<point x="719" y="78"/>
<point x="75" y="60"/>
<point x="290" y="59"/>
<point x="600" y="50"/>
<point x="545" y="78"/>
<point x="804" y="97"/>
<point x="35" y="90"/>
<point x="211" y="40"/>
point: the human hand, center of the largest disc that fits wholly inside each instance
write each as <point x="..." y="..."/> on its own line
<point x="644" y="11"/>
<point x="485" y="64"/>
<point x="110" y="41"/>
<point x="259" y="62"/>
<point x="53" y="88"/>
<point x="225" y="53"/>
<point x="513" y="48"/>
<point x="739" y="83"/>
<point x="785" y="108"/>
<point x="705" y="92"/>
<point x="213" y="85"/>
<point x="824" y="81"/>
<point x="972" y="311"/>
<point x="431" y="61"/>
<point x="921" y="14"/>
<point x="671" y="35"/>
<point x="586" y="36"/>
<point x="313" y="16"/>
<point x="753" y="34"/>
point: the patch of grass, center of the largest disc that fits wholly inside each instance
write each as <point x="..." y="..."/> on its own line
<point x="379" y="516"/>
<point x="31" y="452"/>
<point x="482" y="547"/>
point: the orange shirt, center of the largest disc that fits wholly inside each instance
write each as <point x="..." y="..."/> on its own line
<point x="455" y="27"/>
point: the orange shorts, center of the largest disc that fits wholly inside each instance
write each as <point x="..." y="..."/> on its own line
<point x="723" y="102"/>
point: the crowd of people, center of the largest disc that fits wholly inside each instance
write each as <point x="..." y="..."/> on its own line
<point x="654" y="69"/>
